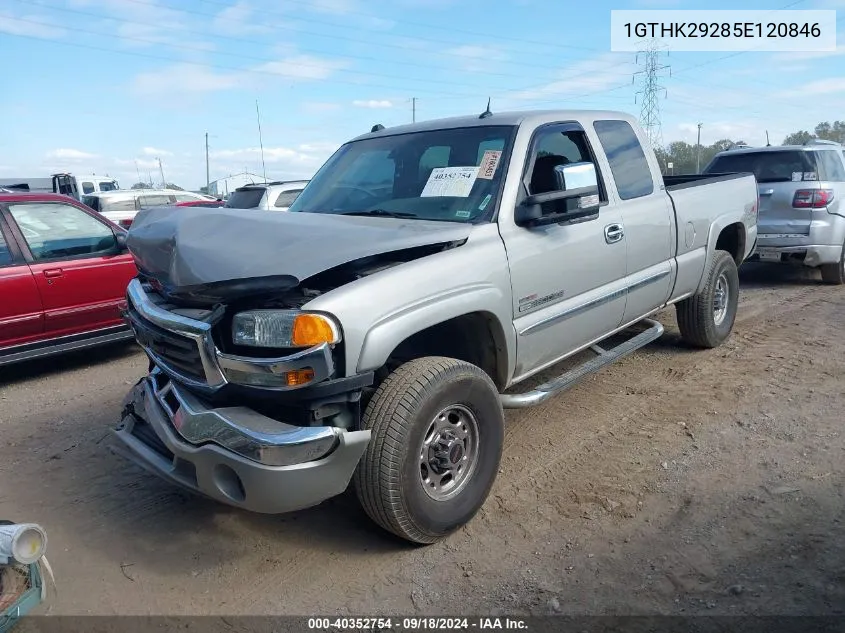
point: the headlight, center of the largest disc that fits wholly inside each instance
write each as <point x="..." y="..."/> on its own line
<point x="283" y="328"/>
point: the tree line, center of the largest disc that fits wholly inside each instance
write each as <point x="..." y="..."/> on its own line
<point x="685" y="157"/>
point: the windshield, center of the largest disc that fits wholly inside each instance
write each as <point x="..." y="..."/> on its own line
<point x="245" y="198"/>
<point x="767" y="166"/>
<point x="451" y="175"/>
<point x="111" y="185"/>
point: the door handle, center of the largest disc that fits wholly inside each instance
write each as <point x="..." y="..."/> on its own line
<point x="52" y="273"/>
<point x="767" y="192"/>
<point x="613" y="233"/>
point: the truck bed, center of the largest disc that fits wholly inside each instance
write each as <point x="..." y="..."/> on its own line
<point x="682" y="181"/>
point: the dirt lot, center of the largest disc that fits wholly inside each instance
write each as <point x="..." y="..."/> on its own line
<point x="675" y="482"/>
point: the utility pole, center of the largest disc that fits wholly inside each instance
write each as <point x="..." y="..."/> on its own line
<point x="413" y="109"/>
<point x="698" y="151"/>
<point x="650" y="75"/>
<point x="260" y="140"/>
<point x="207" y="177"/>
<point x="161" y="170"/>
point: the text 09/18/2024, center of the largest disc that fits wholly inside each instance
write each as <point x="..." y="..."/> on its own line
<point x="727" y="31"/>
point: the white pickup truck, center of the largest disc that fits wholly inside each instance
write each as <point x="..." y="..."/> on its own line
<point x="375" y="332"/>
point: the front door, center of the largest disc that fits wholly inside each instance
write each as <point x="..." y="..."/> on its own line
<point x="80" y="273"/>
<point x="567" y="279"/>
<point x="647" y="217"/>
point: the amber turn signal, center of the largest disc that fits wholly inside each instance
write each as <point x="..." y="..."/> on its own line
<point x="312" y="329"/>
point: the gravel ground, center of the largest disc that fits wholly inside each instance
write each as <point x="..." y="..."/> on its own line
<point x="675" y="482"/>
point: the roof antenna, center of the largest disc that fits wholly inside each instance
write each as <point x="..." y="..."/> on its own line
<point x="487" y="112"/>
<point x="378" y="127"/>
<point x="767" y="139"/>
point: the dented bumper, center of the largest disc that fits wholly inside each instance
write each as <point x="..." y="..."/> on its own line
<point x="235" y="455"/>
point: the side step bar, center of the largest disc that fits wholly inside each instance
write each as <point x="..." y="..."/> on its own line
<point x="574" y="376"/>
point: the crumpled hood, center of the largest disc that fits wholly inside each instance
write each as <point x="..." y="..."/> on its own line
<point x="186" y="247"/>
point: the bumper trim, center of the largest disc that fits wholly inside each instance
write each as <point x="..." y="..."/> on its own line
<point x="239" y="429"/>
<point x="218" y="473"/>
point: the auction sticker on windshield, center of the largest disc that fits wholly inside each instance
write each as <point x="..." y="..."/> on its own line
<point x="450" y="182"/>
<point x="489" y="162"/>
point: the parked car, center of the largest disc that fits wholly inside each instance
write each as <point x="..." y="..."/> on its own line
<point x="802" y="203"/>
<point x="374" y="332"/>
<point x="63" y="276"/>
<point x="121" y="206"/>
<point x="273" y="196"/>
<point x="212" y="204"/>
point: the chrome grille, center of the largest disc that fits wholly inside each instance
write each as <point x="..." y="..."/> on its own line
<point x="179" y="352"/>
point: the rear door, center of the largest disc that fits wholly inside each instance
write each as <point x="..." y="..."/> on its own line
<point x="780" y="175"/>
<point x="80" y="272"/>
<point x="21" y="312"/>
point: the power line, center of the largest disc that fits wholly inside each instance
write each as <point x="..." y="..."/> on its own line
<point x="650" y="81"/>
<point x="159" y="25"/>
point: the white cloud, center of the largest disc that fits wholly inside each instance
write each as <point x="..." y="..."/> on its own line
<point x="153" y="151"/>
<point x="240" y="19"/>
<point x="181" y="79"/>
<point x="588" y="76"/>
<point x="69" y="154"/>
<point x="305" y="67"/>
<point x="282" y="162"/>
<point x="30" y="26"/>
<point x="372" y="103"/>
<point x="831" y="85"/>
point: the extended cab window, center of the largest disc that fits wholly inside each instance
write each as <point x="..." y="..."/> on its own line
<point x="452" y="175"/>
<point x="628" y="163"/>
<point x="53" y="231"/>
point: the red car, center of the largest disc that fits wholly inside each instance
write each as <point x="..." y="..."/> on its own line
<point x="63" y="276"/>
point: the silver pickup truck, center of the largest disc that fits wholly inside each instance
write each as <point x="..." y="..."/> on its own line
<point x="375" y="331"/>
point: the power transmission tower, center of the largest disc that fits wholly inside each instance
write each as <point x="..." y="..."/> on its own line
<point x="650" y="75"/>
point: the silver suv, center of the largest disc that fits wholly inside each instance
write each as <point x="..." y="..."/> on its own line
<point x="270" y="196"/>
<point x="802" y="214"/>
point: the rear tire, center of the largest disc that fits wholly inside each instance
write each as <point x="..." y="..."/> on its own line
<point x="707" y="318"/>
<point x="834" y="273"/>
<point x="437" y="434"/>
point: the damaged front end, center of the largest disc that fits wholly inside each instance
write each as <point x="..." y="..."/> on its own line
<point x="269" y="433"/>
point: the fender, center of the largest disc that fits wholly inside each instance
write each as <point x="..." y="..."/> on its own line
<point x="716" y="228"/>
<point x="388" y="332"/>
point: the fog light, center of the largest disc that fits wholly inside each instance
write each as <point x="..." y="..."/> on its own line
<point x="299" y="377"/>
<point x="295" y="378"/>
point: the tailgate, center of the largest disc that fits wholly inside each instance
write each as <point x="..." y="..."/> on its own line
<point x="777" y="215"/>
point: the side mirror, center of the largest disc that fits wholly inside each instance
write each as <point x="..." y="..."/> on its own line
<point x="120" y="238"/>
<point x="576" y="176"/>
<point x="576" y="198"/>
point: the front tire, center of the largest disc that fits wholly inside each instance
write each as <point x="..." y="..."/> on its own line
<point x="437" y="434"/>
<point x="707" y="318"/>
<point x="834" y="273"/>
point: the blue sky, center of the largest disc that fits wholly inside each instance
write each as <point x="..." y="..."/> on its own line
<point x="104" y="86"/>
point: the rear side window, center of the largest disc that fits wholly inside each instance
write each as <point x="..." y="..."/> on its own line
<point x="87" y="187"/>
<point x="91" y="201"/>
<point x="245" y="199"/>
<point x="117" y="205"/>
<point x="286" y="198"/>
<point x="154" y="201"/>
<point x="766" y="166"/>
<point x="628" y="163"/>
<point x="108" y="186"/>
<point x="184" y="197"/>
<point x="830" y="166"/>
<point x="5" y="254"/>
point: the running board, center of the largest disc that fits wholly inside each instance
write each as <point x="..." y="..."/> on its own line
<point x="574" y="376"/>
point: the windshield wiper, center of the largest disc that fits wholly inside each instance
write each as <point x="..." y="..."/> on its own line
<point x="383" y="213"/>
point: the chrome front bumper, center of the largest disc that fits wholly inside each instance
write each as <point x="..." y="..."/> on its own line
<point x="235" y="455"/>
<point x="216" y="368"/>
